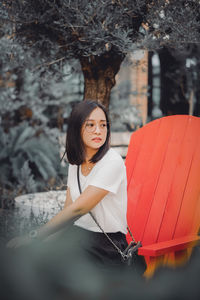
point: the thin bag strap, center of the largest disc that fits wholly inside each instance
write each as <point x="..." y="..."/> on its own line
<point x="124" y="256"/>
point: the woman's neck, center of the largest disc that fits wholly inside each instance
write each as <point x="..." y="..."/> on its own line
<point x="89" y="155"/>
<point x="87" y="166"/>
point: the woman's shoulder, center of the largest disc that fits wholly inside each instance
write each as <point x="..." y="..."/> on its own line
<point x="110" y="170"/>
<point x="72" y="168"/>
<point x="112" y="156"/>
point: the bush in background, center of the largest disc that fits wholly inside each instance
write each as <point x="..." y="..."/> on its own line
<point x="29" y="137"/>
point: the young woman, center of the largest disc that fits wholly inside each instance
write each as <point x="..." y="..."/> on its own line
<point x="102" y="176"/>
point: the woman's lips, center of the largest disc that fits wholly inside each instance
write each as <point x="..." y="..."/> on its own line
<point x="97" y="140"/>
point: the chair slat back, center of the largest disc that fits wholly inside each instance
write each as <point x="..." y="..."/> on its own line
<point x="163" y="177"/>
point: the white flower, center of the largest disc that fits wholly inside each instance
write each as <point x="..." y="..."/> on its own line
<point x="166" y="37"/>
<point x="155" y="26"/>
<point x="162" y="14"/>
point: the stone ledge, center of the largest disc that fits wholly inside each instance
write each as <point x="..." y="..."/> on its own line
<point x="46" y="203"/>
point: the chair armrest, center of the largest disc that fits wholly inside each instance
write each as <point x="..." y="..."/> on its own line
<point x="174" y="245"/>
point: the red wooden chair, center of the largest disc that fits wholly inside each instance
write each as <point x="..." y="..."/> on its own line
<point x="163" y="174"/>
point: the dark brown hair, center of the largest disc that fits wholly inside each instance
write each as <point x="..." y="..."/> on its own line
<point x="74" y="145"/>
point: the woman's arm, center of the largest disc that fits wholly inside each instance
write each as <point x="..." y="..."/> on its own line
<point x="68" y="199"/>
<point x="71" y="212"/>
<point x="84" y="203"/>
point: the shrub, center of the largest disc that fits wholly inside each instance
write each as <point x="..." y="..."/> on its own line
<point x="29" y="161"/>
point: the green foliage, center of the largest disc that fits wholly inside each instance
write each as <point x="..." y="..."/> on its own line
<point x="29" y="160"/>
<point x="29" y="94"/>
<point x="29" y="88"/>
<point x="38" y="37"/>
<point x="29" y="148"/>
<point x="52" y="32"/>
<point x="88" y="27"/>
<point x="26" y="178"/>
<point x="83" y="28"/>
<point x="174" y="23"/>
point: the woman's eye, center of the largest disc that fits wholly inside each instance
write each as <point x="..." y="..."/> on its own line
<point x="89" y="125"/>
<point x="103" y="125"/>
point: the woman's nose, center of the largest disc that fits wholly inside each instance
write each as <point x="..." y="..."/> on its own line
<point x="97" y="128"/>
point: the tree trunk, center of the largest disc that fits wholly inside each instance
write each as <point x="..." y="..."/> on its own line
<point x="99" y="75"/>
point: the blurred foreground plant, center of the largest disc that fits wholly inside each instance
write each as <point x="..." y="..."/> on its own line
<point x="60" y="269"/>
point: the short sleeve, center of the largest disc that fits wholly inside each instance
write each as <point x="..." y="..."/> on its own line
<point x="69" y="176"/>
<point x="109" y="176"/>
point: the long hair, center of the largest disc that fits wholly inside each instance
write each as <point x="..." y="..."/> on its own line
<point x="74" y="145"/>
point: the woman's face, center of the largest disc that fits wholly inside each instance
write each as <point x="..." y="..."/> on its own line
<point x="94" y="131"/>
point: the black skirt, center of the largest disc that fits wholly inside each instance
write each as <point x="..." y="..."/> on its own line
<point x="99" y="249"/>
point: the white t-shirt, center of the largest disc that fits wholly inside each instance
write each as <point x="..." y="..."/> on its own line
<point x="109" y="174"/>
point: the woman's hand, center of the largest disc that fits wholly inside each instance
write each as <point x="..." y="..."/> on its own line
<point x="19" y="241"/>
